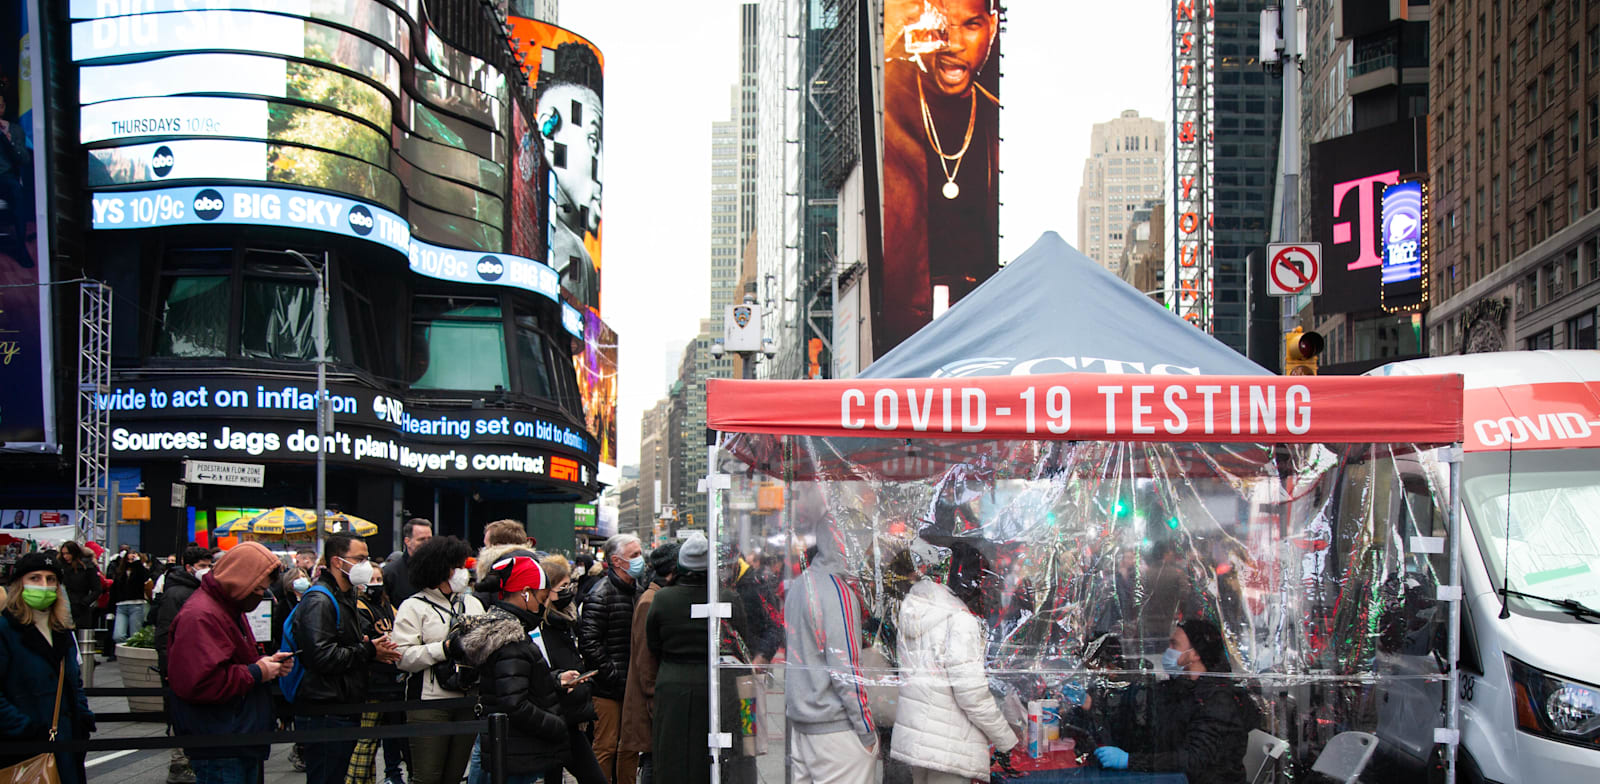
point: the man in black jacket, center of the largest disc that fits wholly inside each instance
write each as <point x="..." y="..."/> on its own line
<point x="335" y="653"/>
<point x="397" y="572"/>
<point x="605" y="639"/>
<point x="177" y="586"/>
<point x="1201" y="724"/>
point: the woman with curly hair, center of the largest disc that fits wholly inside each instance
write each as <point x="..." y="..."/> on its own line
<point x="438" y="569"/>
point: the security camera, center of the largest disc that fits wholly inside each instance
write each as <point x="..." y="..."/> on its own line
<point x="716" y="348"/>
<point x="769" y="347"/>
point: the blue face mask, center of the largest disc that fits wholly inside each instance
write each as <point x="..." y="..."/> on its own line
<point x="1169" y="659"/>
<point x="636" y="567"/>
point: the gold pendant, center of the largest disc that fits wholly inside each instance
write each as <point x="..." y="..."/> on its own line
<point x="951" y="190"/>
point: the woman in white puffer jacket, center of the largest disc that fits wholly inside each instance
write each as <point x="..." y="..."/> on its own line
<point x="947" y="719"/>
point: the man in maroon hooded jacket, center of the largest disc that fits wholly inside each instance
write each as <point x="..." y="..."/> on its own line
<point x="220" y="681"/>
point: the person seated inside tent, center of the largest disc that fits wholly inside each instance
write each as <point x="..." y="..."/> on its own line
<point x="1202" y="718"/>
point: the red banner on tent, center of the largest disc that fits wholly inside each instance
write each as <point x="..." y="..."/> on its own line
<point x="1083" y="406"/>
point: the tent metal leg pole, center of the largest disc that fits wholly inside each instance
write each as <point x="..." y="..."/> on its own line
<point x="1453" y="715"/>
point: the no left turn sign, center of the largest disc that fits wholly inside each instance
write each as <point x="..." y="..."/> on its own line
<point x="1294" y="268"/>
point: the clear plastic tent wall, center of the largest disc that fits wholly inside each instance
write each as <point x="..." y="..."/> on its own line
<point x="910" y="579"/>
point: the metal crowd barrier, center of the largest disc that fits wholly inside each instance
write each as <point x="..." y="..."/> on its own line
<point x="491" y="729"/>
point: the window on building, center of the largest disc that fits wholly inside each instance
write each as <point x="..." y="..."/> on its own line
<point x="1494" y="188"/>
<point x="1478" y="269"/>
<point x="1544" y="341"/>
<point x="1594" y="119"/>
<point x="1591" y="257"/>
<point x="1530" y="290"/>
<point x="1532" y="158"/>
<point x="1574" y="204"/>
<point x="1547" y="83"/>
<point x="1552" y="216"/>
<point x="1592" y="181"/>
<point x="1594" y="49"/>
<point x="1573" y="268"/>
<point x="1530" y="101"/>
<point x="194" y="316"/>
<point x="1581" y="332"/>
<point x="278" y="313"/>
<point x="1494" y="127"/>
<point x="1533" y="38"/>
<point x="1555" y="280"/>
<point x="1494" y="74"/>
<point x="1573" y="127"/>
<point x="458" y="343"/>
<point x="1550" y="148"/>
<point x="1530" y="228"/>
<point x="1494" y="248"/>
<point x="1573" y="61"/>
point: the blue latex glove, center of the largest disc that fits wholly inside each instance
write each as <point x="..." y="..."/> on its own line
<point x="1112" y="758"/>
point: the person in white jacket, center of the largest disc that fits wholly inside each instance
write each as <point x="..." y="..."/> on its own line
<point x="421" y="626"/>
<point x="947" y="719"/>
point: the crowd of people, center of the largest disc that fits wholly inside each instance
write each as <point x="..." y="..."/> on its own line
<point x="598" y="662"/>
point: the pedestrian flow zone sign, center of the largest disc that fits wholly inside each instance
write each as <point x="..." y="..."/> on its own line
<point x="1294" y="268"/>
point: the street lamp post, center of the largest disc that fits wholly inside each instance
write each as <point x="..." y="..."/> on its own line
<point x="321" y="327"/>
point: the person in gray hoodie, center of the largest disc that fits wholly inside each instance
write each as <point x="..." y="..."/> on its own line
<point x="825" y="694"/>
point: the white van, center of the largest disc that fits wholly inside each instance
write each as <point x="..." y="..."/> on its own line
<point x="1530" y="555"/>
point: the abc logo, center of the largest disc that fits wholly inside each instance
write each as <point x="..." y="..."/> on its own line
<point x="491" y="268"/>
<point x="361" y="220"/>
<point x="161" y="162"/>
<point x="208" y="204"/>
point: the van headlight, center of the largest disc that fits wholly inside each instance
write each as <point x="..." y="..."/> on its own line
<point x="1553" y="707"/>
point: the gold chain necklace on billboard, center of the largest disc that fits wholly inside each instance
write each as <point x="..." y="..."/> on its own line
<point x="950" y="190"/>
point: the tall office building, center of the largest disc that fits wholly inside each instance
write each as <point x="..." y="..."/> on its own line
<point x="725" y="244"/>
<point x="655" y="465"/>
<point x="1247" y="110"/>
<point x="1515" y="158"/>
<point x="808" y="143"/>
<point x="1122" y="172"/>
<point x="749" y="59"/>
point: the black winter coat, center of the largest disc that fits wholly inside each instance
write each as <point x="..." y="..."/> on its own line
<point x="331" y="648"/>
<point x="385" y="682"/>
<point x="128" y="576"/>
<point x="175" y="590"/>
<point x="397" y="580"/>
<point x="516" y="680"/>
<point x="83" y="587"/>
<point x="1201" y="729"/>
<point x="605" y="634"/>
<point x="561" y="642"/>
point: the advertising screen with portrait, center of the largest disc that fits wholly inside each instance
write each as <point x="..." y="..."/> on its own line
<point x="525" y="231"/>
<point x="595" y="361"/>
<point x="24" y="383"/>
<point x="941" y="168"/>
<point x="565" y="71"/>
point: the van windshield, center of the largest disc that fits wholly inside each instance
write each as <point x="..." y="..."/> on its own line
<point x="1539" y="530"/>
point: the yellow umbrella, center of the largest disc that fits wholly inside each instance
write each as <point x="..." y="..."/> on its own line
<point x="339" y="522"/>
<point x="273" y="522"/>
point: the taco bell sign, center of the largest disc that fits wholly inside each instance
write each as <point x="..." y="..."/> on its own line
<point x="1403" y="224"/>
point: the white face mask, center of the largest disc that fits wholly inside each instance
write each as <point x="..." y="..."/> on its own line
<point x="199" y="573"/>
<point x="360" y="574"/>
<point x="459" y="579"/>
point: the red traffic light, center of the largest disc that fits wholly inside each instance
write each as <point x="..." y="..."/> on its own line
<point x="1310" y="345"/>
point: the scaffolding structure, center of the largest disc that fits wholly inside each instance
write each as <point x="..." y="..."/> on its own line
<point x="94" y="381"/>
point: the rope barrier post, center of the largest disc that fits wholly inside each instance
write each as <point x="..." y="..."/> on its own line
<point x="499" y="724"/>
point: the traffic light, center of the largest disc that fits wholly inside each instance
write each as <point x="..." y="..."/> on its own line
<point x="1300" y="350"/>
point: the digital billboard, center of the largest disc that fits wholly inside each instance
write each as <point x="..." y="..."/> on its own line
<point x="595" y="360"/>
<point x="26" y="421"/>
<point x="525" y="229"/>
<point x="1348" y="175"/>
<point x="203" y="73"/>
<point x="1405" y="246"/>
<point x="565" y="71"/>
<point x="247" y="31"/>
<point x="941" y="167"/>
<point x="236" y="159"/>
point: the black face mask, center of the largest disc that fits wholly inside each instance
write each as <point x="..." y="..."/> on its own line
<point x="374" y="592"/>
<point x="565" y="597"/>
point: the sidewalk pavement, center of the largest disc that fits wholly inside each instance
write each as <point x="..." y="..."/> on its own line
<point x="149" y="766"/>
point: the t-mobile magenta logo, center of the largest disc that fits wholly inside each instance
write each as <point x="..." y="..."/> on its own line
<point x="1365" y="217"/>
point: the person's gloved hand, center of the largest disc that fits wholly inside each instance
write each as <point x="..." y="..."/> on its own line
<point x="1112" y="758"/>
<point x="1002" y="760"/>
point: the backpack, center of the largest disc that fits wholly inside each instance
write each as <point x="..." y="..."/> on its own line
<point x="291" y="682"/>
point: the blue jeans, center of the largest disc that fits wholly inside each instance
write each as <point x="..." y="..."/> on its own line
<point x="475" y="771"/>
<point x="326" y="763"/>
<point x="228" y="770"/>
<point x="129" y="618"/>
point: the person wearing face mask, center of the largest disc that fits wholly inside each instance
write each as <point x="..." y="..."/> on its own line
<point x="604" y="637"/>
<point x="559" y="629"/>
<point x="516" y="677"/>
<point x="220" y="683"/>
<point x="177" y="586"/>
<point x="638" y="703"/>
<point x="439" y="568"/>
<point x="286" y="592"/>
<point x="37" y="656"/>
<point x="335" y="652"/>
<point x="385" y="683"/>
<point x="1201" y="724"/>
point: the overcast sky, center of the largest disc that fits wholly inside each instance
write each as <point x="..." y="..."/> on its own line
<point x="1067" y="65"/>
